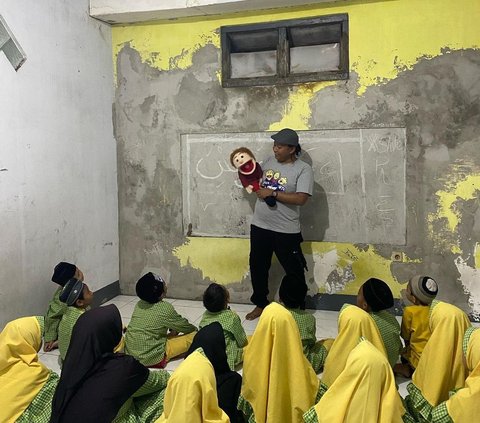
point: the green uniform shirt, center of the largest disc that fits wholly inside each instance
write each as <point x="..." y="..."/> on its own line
<point x="53" y="317"/>
<point x="65" y="328"/>
<point x="235" y="336"/>
<point x="40" y="409"/>
<point x="315" y="352"/>
<point x="145" y="405"/>
<point x="146" y="334"/>
<point x="389" y="329"/>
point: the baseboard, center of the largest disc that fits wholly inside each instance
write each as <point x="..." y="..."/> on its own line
<point x="106" y="294"/>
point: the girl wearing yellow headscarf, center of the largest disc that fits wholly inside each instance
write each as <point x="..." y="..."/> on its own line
<point x="191" y="394"/>
<point x="364" y="392"/>
<point x="440" y="368"/>
<point x="464" y="405"/>
<point x="353" y="324"/>
<point x="279" y="384"/>
<point x="26" y="385"/>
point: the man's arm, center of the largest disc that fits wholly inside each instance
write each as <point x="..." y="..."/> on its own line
<point x="294" y="198"/>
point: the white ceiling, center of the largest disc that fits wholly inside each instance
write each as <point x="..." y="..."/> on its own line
<point x="130" y="11"/>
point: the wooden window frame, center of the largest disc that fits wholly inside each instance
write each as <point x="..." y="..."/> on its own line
<point x="283" y="75"/>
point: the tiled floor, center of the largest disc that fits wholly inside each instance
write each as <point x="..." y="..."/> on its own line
<point x="193" y="310"/>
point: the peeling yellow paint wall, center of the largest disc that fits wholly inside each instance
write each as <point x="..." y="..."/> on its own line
<point x="385" y="38"/>
<point x="222" y="260"/>
<point x="458" y="187"/>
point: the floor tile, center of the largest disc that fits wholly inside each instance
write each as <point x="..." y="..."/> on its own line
<point x="55" y="352"/>
<point x="121" y="300"/>
<point x="188" y="303"/>
<point x="173" y="364"/>
<point x="189" y="312"/>
<point x="51" y="361"/>
<point x="127" y="309"/>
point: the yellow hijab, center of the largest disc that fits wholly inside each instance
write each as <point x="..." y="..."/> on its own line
<point x="353" y="324"/>
<point x="22" y="376"/>
<point x="278" y="381"/>
<point x="464" y="406"/>
<point x="191" y="394"/>
<point x="365" y="392"/>
<point x="440" y="368"/>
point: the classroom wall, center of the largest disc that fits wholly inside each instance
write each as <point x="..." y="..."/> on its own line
<point x="58" y="187"/>
<point x="412" y="64"/>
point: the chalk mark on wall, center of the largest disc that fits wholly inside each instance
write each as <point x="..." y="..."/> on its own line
<point x="359" y="193"/>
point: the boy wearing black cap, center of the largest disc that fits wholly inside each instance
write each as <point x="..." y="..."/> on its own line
<point x="62" y="273"/>
<point x="152" y="334"/>
<point x="77" y="297"/>
<point x="292" y="297"/>
<point x="421" y="291"/>
<point x="215" y="299"/>
<point x="375" y="297"/>
<point x="277" y="229"/>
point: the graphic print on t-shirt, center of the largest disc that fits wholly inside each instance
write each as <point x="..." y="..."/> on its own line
<point x="274" y="180"/>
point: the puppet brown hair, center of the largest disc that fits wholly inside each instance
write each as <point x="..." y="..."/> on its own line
<point x="240" y="150"/>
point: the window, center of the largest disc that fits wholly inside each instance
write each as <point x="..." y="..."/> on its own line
<point x="285" y="52"/>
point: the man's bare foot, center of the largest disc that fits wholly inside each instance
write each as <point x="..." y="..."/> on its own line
<point x="254" y="314"/>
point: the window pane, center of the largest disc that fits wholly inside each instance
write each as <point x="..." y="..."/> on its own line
<point x="320" y="58"/>
<point x="248" y="65"/>
<point x="250" y="41"/>
<point x="314" y="34"/>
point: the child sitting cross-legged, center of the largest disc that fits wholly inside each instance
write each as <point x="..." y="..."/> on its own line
<point x="152" y="335"/>
<point x="292" y="295"/>
<point x="415" y="331"/>
<point x="215" y="299"/>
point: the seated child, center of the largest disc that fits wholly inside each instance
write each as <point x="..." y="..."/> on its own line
<point x="62" y="273"/>
<point x="293" y="297"/>
<point x="375" y="297"/>
<point x="147" y="337"/>
<point x="215" y="300"/>
<point x="78" y="297"/>
<point x="421" y="291"/>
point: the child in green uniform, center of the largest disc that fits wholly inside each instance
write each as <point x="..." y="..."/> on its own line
<point x="215" y="299"/>
<point x="375" y="297"/>
<point x="77" y="297"/>
<point x="152" y="335"/>
<point x="292" y="295"/>
<point x="62" y="273"/>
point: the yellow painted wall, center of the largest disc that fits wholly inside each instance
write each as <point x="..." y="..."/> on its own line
<point x="385" y="38"/>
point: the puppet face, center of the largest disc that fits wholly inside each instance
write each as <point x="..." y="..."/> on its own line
<point x="245" y="163"/>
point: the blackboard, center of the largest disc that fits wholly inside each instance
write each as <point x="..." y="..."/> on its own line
<point x="359" y="190"/>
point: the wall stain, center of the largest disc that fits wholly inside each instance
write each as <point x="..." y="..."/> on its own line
<point x="426" y="81"/>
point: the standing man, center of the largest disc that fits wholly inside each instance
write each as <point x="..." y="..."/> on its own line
<point x="277" y="229"/>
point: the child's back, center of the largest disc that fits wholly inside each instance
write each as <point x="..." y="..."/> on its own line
<point x="235" y="336"/>
<point x="375" y="297"/>
<point x="292" y="296"/>
<point x="77" y="297"/>
<point x="215" y="299"/>
<point x="147" y="338"/>
<point x="146" y="335"/>
<point x="62" y="273"/>
<point x="390" y="332"/>
<point x="415" y="331"/>
<point x="421" y="290"/>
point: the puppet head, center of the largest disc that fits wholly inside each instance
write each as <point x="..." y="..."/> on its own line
<point x="243" y="160"/>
